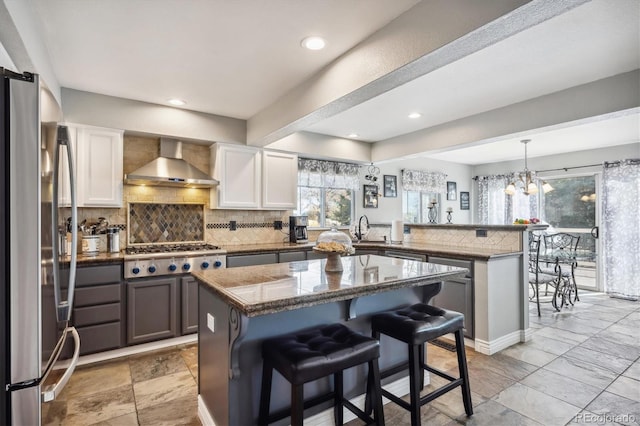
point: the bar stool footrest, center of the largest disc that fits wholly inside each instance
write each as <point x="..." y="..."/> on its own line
<point x="286" y="412"/>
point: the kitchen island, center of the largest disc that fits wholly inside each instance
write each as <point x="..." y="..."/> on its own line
<point x="240" y="307"/>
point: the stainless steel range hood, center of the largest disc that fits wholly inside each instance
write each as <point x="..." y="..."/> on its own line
<point x="169" y="169"/>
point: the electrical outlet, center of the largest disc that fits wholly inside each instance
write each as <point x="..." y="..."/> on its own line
<point x="481" y="232"/>
<point x="406" y="229"/>
<point x="277" y="224"/>
<point x="211" y="323"/>
<point x="232" y="225"/>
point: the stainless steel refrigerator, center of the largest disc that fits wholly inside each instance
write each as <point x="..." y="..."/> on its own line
<point x="35" y="307"/>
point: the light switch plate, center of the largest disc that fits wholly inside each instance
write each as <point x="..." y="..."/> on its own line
<point x="211" y="323"/>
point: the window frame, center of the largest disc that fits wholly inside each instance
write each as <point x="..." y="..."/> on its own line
<point x="423" y="215"/>
<point x="323" y="206"/>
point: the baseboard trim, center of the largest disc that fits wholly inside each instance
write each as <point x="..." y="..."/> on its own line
<point x="399" y="387"/>
<point x="131" y="350"/>
<point x="526" y="335"/>
<point x="490" y="348"/>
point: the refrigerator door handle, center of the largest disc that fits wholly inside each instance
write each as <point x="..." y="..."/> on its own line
<point x="63" y="307"/>
<point x="51" y="391"/>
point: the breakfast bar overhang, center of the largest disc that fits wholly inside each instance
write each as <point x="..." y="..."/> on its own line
<point x="240" y="307"/>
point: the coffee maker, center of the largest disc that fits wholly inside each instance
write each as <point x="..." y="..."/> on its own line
<point x="298" y="229"/>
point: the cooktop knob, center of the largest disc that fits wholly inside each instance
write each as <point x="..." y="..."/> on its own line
<point x="152" y="268"/>
<point x="217" y="264"/>
<point x="173" y="267"/>
<point x="205" y="265"/>
<point x="135" y="270"/>
<point x="186" y="266"/>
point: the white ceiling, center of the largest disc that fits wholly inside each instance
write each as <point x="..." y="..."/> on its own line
<point x="230" y="58"/>
<point x="234" y="58"/>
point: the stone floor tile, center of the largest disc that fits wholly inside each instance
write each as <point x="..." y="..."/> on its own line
<point x="54" y="412"/>
<point x="552" y="346"/>
<point x="582" y="371"/>
<point x="491" y="413"/>
<point x="100" y="406"/>
<point x="616" y="409"/>
<point x="486" y="382"/>
<point x="504" y="365"/>
<point x="633" y="371"/>
<point x="562" y="387"/>
<point x="602" y="343"/>
<point x="610" y="362"/>
<point x="181" y="411"/>
<point x="130" y="419"/>
<point x="99" y="378"/>
<point x="165" y="388"/>
<point x="190" y="356"/>
<point x="536" y="405"/>
<point x="578" y="326"/>
<point x="529" y="354"/>
<point x="450" y="403"/>
<point x="559" y="334"/>
<point x="156" y="365"/>
<point x="626" y="387"/>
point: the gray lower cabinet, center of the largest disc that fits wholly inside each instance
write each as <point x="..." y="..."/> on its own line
<point x="292" y="256"/>
<point x="152" y="309"/>
<point x="98" y="311"/>
<point x="189" y="305"/>
<point x="234" y="261"/>
<point x="457" y="294"/>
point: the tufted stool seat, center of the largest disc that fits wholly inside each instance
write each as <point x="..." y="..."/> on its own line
<point x="415" y="325"/>
<point x="315" y="353"/>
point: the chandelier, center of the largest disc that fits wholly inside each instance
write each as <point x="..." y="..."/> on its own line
<point x="527" y="179"/>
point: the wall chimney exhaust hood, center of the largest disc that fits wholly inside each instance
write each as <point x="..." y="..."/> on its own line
<point x="169" y="169"/>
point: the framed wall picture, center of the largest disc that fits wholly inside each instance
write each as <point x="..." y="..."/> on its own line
<point x="452" y="193"/>
<point x="464" y="200"/>
<point x="370" y="195"/>
<point x="390" y="185"/>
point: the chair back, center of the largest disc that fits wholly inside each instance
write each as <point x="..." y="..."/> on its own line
<point x="562" y="245"/>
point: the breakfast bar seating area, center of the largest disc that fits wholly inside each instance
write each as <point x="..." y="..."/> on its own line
<point x="244" y="312"/>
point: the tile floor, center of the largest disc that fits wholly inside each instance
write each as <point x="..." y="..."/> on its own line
<point x="582" y="366"/>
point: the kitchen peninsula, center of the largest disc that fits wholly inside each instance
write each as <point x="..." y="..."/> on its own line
<point x="240" y="307"/>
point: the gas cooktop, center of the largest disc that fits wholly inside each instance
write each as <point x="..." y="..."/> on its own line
<point x="170" y="259"/>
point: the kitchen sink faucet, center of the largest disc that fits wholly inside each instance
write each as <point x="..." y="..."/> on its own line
<point x="359" y="231"/>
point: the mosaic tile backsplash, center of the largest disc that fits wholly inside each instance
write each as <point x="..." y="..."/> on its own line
<point x="165" y="223"/>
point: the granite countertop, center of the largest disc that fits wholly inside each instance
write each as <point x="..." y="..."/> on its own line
<point x="266" y="289"/>
<point x="422" y="248"/>
<point x="102" y="258"/>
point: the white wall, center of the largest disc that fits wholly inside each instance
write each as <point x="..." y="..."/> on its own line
<point x="5" y="60"/>
<point x="150" y="119"/>
<point x="391" y="208"/>
<point x="560" y="161"/>
<point x="326" y="147"/>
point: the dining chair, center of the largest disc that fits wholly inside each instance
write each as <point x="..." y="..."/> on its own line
<point x="537" y="276"/>
<point x="561" y="250"/>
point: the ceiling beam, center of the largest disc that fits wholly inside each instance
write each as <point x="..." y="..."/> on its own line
<point x="432" y="34"/>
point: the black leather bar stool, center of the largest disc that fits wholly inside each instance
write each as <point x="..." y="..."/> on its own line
<point x="415" y="325"/>
<point x="314" y="353"/>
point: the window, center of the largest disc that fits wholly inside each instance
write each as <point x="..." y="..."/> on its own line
<point x="415" y="206"/>
<point x="326" y="192"/>
<point x="326" y="207"/>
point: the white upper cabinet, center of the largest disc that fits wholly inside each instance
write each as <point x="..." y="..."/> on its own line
<point x="279" y="180"/>
<point x="252" y="178"/>
<point x="238" y="169"/>
<point x="98" y="156"/>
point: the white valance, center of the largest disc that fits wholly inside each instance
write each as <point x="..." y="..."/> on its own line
<point x="328" y="174"/>
<point x="424" y="181"/>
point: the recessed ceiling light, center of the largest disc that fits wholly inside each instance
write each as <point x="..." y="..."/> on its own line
<point x="313" y="43"/>
<point x="176" y="102"/>
<point x="352" y="135"/>
<point x="415" y="115"/>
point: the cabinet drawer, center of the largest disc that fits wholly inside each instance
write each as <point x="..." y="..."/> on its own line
<point x="292" y="256"/>
<point x="97" y="338"/>
<point x="97" y="295"/>
<point x="251" y="259"/>
<point x="92" y="275"/>
<point x="97" y="314"/>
